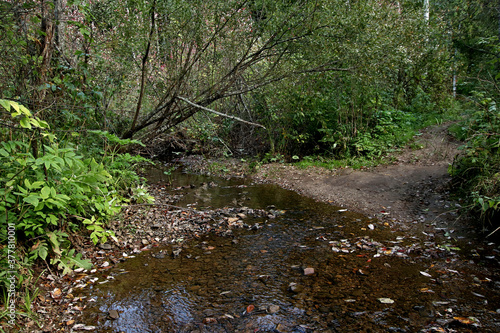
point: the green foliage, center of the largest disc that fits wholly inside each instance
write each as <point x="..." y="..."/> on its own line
<point x="50" y="191"/>
<point x="476" y="170"/>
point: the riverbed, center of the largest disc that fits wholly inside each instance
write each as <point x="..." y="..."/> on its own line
<point x="303" y="266"/>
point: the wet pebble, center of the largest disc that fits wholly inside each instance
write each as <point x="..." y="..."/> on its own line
<point x="273" y="309"/>
<point x="106" y="246"/>
<point x="295" y="288"/>
<point x="113" y="314"/>
<point x="309" y="271"/>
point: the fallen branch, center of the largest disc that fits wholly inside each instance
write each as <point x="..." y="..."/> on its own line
<point x="161" y="205"/>
<point x="219" y="113"/>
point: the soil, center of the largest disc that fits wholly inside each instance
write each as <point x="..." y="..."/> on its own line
<point x="411" y="191"/>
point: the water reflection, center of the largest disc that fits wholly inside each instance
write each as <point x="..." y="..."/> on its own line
<point x="217" y="278"/>
<point x="148" y="309"/>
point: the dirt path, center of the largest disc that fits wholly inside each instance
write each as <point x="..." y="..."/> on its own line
<point x="410" y="191"/>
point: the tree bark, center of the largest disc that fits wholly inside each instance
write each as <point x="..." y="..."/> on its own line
<point x="60" y="29"/>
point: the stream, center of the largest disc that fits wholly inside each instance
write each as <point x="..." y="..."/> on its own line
<point x="305" y="267"/>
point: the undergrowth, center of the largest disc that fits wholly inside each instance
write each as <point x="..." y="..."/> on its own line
<point x="48" y="191"/>
<point x="390" y="131"/>
<point x="476" y="170"/>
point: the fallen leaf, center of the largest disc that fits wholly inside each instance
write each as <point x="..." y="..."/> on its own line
<point x="84" y="327"/>
<point x="466" y="321"/>
<point x="384" y="300"/>
<point x="250" y="308"/>
<point x="56" y="293"/>
<point x="426" y="290"/>
<point x="425" y="274"/>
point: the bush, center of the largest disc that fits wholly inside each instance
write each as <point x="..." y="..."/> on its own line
<point x="48" y="190"/>
<point x="476" y="171"/>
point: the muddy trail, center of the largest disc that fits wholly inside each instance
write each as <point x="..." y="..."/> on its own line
<point x="287" y="250"/>
<point x="412" y="189"/>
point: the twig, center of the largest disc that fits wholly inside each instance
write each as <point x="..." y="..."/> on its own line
<point x="491" y="233"/>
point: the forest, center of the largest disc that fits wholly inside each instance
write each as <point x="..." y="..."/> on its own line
<point x="91" y="90"/>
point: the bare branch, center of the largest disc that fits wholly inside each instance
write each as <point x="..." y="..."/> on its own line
<point x="219" y="113"/>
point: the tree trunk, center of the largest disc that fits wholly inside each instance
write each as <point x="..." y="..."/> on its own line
<point x="60" y="28"/>
<point x="46" y="47"/>
<point x="144" y="71"/>
<point x="426" y="10"/>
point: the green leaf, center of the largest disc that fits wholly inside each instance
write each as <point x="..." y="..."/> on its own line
<point x="25" y="123"/>
<point x="37" y="184"/>
<point x="55" y="243"/>
<point x="78" y="261"/>
<point x="45" y="192"/>
<point x="43" y="251"/>
<point x="32" y="199"/>
<point x="5" y="104"/>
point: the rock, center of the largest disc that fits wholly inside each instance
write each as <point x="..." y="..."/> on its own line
<point x="113" y="314"/>
<point x="159" y="255"/>
<point x="273" y="308"/>
<point x="295" y="288"/>
<point x="309" y="271"/>
<point x="106" y="246"/>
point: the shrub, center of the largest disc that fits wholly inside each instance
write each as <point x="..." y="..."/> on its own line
<point x="48" y="190"/>
<point x="476" y="171"/>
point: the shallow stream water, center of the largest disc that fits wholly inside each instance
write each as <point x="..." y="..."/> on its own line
<point x="309" y="267"/>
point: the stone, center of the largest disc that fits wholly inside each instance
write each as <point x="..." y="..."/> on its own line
<point x="273" y="308"/>
<point x="106" y="246"/>
<point x="160" y="255"/>
<point x="309" y="271"/>
<point x="295" y="288"/>
<point x="113" y="314"/>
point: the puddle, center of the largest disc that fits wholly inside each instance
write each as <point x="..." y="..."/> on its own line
<point x="312" y="268"/>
